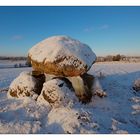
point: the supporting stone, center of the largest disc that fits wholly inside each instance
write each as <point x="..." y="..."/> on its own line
<point x="82" y="86"/>
<point x="27" y="84"/>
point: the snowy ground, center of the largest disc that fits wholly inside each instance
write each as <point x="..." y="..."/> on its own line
<point x="119" y="112"/>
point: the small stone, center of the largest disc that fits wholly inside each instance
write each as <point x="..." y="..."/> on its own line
<point x="136" y="85"/>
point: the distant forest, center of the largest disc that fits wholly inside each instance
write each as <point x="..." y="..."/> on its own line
<point x="12" y="58"/>
<point x="27" y="62"/>
<point x="118" y="57"/>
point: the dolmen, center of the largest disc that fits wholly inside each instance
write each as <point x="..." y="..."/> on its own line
<point x="60" y="65"/>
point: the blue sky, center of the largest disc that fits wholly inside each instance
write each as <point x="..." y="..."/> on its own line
<point x="107" y="30"/>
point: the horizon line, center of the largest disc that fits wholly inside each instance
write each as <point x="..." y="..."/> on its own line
<point x="96" y="55"/>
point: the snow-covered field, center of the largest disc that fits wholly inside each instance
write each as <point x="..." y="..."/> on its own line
<point x="119" y="112"/>
<point x="11" y="64"/>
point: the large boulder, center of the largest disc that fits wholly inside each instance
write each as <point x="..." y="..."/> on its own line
<point x="27" y="84"/>
<point x="57" y="92"/>
<point x="61" y="56"/>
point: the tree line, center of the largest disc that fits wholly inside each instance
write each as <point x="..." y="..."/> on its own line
<point x="118" y="57"/>
<point x="12" y="58"/>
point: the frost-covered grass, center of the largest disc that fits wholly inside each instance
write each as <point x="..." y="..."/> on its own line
<point x="119" y="112"/>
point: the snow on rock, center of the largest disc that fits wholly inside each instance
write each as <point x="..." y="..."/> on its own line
<point x="136" y="85"/>
<point x="136" y="99"/>
<point x="62" y="55"/>
<point x="64" y="117"/>
<point x="87" y="123"/>
<point x="41" y="100"/>
<point x="26" y="85"/>
<point x="136" y="107"/>
<point x="97" y="89"/>
<point x="57" y="92"/>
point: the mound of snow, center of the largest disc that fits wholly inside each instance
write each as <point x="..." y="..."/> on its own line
<point x="25" y="85"/>
<point x="57" y="92"/>
<point x="64" y="117"/>
<point x="20" y="127"/>
<point x="62" y="55"/>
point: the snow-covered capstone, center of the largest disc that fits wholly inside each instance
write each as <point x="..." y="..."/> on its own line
<point x="27" y="84"/>
<point x="61" y="56"/>
<point x="57" y="92"/>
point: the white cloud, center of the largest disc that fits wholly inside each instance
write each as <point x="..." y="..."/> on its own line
<point x="91" y="29"/>
<point x="103" y="27"/>
<point x="17" y="37"/>
<point x="88" y="29"/>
